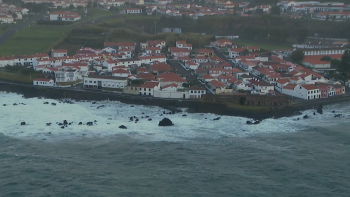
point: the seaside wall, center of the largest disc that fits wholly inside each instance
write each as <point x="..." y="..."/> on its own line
<point x="193" y="105"/>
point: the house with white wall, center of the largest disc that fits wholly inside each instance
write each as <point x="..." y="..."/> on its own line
<point x="148" y="88"/>
<point x="59" y="52"/>
<point x="100" y="82"/>
<point x="307" y="91"/>
<point x="43" y="82"/>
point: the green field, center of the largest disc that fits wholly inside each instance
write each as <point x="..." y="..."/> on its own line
<point x="262" y="45"/>
<point x="17" y="76"/>
<point x="30" y="40"/>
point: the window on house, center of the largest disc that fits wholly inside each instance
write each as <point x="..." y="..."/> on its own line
<point x="149" y="89"/>
<point x="132" y="88"/>
<point x="144" y="89"/>
<point x="94" y="81"/>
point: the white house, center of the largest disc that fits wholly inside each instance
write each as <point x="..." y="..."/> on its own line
<point x="196" y="92"/>
<point x="120" y="73"/>
<point x="132" y="10"/>
<point x="59" y="52"/>
<point x="67" y="75"/>
<point x="323" y="51"/>
<point x="148" y="88"/>
<point x="183" y="44"/>
<point x="100" y="82"/>
<point x="151" y="59"/>
<point x="64" y="16"/>
<point x="235" y="52"/>
<point x="109" y="50"/>
<point x="307" y="92"/>
<point x="43" y="82"/>
<point x="153" y="50"/>
<point x="191" y="65"/>
<point x="4" y="61"/>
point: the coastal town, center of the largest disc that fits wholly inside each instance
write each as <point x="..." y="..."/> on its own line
<point x="159" y="69"/>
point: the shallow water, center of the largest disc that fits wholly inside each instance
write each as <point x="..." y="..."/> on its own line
<point x="196" y="157"/>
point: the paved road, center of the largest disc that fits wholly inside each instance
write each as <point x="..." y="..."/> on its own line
<point x="15" y="28"/>
<point x="220" y="54"/>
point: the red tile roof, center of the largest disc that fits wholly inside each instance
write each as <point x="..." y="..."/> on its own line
<point x="217" y="84"/>
<point x="59" y="50"/>
<point x="170" y="77"/>
<point x="152" y="48"/>
<point x="149" y="84"/>
<point x="205" y="51"/>
<point x="42" y="79"/>
<point x="170" y="85"/>
<point x="147" y="76"/>
<point x="120" y="71"/>
<point x="290" y="86"/>
<point x="283" y="81"/>
<point x="142" y="70"/>
<point x="206" y="76"/>
<point x="309" y="86"/>
<point x="160" y="67"/>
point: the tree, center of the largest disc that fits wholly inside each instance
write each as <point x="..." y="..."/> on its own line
<point x="259" y="11"/>
<point x="89" y="5"/>
<point x="344" y="66"/>
<point x="71" y="6"/>
<point x="297" y="56"/>
<point x="326" y="58"/>
<point x="14" y="15"/>
<point x="94" y="4"/>
<point x="79" y="7"/>
<point x="335" y="63"/>
<point x="275" y="10"/>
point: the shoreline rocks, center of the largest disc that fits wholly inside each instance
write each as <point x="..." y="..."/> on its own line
<point x="165" y="122"/>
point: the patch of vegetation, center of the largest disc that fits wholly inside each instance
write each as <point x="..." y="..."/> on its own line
<point x="31" y="40"/>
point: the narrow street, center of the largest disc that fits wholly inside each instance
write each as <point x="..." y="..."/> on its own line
<point x="191" y="77"/>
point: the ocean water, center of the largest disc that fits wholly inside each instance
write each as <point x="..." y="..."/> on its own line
<point x="196" y="157"/>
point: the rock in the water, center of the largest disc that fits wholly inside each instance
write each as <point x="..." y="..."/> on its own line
<point x="46" y="103"/>
<point x="62" y="127"/>
<point x="65" y="122"/>
<point x="89" y="123"/>
<point x="15" y="104"/>
<point x="218" y="118"/>
<point x="131" y="118"/>
<point x="257" y="122"/>
<point x="314" y="113"/>
<point x="306" y="117"/>
<point x="337" y="115"/>
<point x="333" y="111"/>
<point x="184" y="115"/>
<point x="150" y="119"/>
<point x="130" y="106"/>
<point x="122" y="127"/>
<point x="93" y="102"/>
<point x="249" y="122"/>
<point x="146" y="116"/>
<point x="48" y="124"/>
<point x="23" y="123"/>
<point x="163" y="112"/>
<point x="53" y="104"/>
<point x="137" y="119"/>
<point x="80" y="123"/>
<point x="4" y="105"/>
<point x="165" y="122"/>
<point x="109" y="118"/>
<point x="143" y="113"/>
<point x="320" y="109"/>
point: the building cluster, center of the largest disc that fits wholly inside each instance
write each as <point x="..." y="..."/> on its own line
<point x="60" y="3"/>
<point x="250" y="70"/>
<point x="9" y="13"/>
<point x="261" y="74"/>
<point x="319" y="10"/>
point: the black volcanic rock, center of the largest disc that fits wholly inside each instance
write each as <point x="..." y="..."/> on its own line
<point x="306" y="117"/>
<point x="46" y="103"/>
<point x="48" y="124"/>
<point x="23" y="123"/>
<point x="184" y="115"/>
<point x="4" y="105"/>
<point x="122" y="127"/>
<point x="53" y="104"/>
<point x="80" y="123"/>
<point x="150" y="119"/>
<point x="165" y="122"/>
<point x="89" y="123"/>
<point x="218" y="118"/>
<point x="249" y="122"/>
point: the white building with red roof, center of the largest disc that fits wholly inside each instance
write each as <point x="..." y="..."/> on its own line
<point x="170" y="78"/>
<point x="153" y="49"/>
<point x="207" y="78"/>
<point x="151" y="59"/>
<point x="132" y="10"/>
<point x="179" y="52"/>
<point x="148" y="88"/>
<point x="64" y="16"/>
<point x="183" y="44"/>
<point x="235" y="52"/>
<point x="200" y="59"/>
<point x="120" y="73"/>
<point x="196" y="92"/>
<point x="4" y="61"/>
<point x="59" y="52"/>
<point x="307" y="91"/>
<point x="221" y="43"/>
<point x="191" y="65"/>
<point x="217" y="86"/>
<point x="43" y="82"/>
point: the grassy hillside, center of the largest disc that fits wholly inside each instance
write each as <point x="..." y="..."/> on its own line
<point x="31" y="40"/>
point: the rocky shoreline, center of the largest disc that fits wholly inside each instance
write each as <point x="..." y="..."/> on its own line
<point x="170" y="105"/>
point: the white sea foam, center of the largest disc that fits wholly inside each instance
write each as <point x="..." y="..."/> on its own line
<point x="36" y="115"/>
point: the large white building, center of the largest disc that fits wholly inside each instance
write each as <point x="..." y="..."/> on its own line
<point x="43" y="82"/>
<point x="324" y="51"/>
<point x="307" y="92"/>
<point x="64" y="16"/>
<point x="100" y="82"/>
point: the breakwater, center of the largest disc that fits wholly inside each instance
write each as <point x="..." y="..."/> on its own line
<point x="194" y="106"/>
